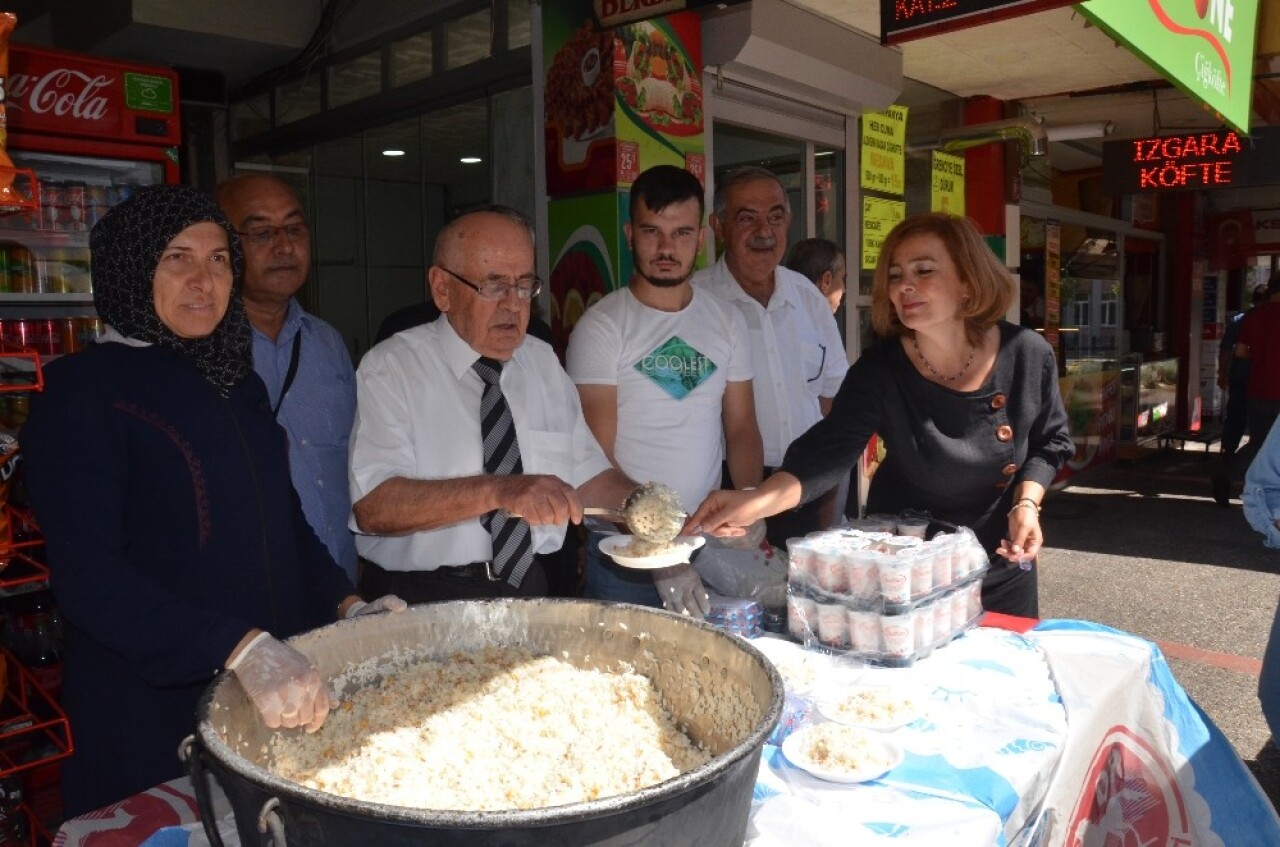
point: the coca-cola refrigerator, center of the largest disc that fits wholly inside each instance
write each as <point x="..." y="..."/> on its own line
<point x="84" y="133"/>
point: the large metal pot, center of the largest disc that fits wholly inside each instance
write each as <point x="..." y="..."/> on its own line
<point x="698" y="669"/>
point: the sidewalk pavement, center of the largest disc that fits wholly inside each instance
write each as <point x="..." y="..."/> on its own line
<point x="1142" y="547"/>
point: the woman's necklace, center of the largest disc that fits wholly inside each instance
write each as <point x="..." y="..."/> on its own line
<point x="973" y="351"/>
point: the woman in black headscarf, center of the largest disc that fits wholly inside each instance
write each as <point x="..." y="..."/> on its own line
<point x="175" y="541"/>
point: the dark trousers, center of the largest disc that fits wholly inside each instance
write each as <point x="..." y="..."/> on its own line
<point x="1010" y="590"/>
<point x="446" y="584"/>
<point x="1260" y="415"/>
<point x="1234" y="418"/>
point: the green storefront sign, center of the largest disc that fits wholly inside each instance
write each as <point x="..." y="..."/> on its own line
<point x="1205" y="47"/>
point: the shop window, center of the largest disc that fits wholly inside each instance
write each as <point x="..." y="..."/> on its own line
<point x="411" y="58"/>
<point x="467" y="39"/>
<point x="355" y="79"/>
<point x="298" y="99"/>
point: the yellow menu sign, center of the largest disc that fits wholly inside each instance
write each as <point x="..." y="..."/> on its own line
<point x="878" y="217"/>
<point x="884" y="144"/>
<point x="947" y="194"/>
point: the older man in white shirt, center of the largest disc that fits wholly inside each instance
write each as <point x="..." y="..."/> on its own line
<point x="798" y="357"/>
<point x="469" y="453"/>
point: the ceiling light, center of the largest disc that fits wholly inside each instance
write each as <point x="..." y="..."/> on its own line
<point x="1073" y="132"/>
<point x="470" y="160"/>
<point x="393" y="152"/>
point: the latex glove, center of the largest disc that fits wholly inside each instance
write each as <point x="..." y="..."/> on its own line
<point x="681" y="591"/>
<point x="385" y="603"/>
<point x="283" y="684"/>
<point x="751" y="540"/>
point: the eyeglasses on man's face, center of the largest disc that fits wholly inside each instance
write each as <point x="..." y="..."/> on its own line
<point x="266" y="236"/>
<point x="496" y="289"/>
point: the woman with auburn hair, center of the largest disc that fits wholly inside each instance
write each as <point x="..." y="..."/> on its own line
<point x="966" y="403"/>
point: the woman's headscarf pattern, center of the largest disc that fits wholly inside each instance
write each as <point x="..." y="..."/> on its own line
<point x="126" y="246"/>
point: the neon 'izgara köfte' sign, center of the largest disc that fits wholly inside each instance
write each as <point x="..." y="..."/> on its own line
<point x="1190" y="161"/>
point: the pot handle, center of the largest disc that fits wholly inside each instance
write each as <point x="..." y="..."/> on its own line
<point x="269" y="820"/>
<point x="188" y="753"/>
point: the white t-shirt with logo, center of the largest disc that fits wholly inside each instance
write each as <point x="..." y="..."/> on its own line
<point x="670" y="369"/>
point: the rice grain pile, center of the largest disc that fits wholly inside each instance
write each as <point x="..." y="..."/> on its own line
<point x="497" y="730"/>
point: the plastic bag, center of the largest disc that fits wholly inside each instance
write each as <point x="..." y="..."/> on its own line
<point x="733" y="572"/>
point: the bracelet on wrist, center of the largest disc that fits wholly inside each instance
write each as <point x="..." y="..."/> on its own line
<point x="1025" y="503"/>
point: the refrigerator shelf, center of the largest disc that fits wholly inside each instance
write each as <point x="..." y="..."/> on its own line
<point x="22" y="362"/>
<point x="33" y="728"/>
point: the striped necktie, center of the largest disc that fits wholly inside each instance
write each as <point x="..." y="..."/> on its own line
<point x="512" y="544"/>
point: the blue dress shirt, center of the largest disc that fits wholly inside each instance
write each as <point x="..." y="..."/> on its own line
<point x="317" y="414"/>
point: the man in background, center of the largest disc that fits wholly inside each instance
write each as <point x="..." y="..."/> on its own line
<point x="664" y="373"/>
<point x="1233" y="377"/>
<point x="303" y="360"/>
<point x="1259" y="343"/>
<point x="797" y="356"/>
<point x="822" y="262"/>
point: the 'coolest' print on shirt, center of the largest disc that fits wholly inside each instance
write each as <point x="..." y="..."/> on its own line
<point x="677" y="367"/>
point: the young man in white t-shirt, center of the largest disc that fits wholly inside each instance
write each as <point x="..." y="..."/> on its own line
<point x="664" y="374"/>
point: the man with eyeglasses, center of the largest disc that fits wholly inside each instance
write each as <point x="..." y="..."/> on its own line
<point x="664" y="373"/>
<point x="797" y="354"/>
<point x="470" y="453"/>
<point x="303" y="360"/>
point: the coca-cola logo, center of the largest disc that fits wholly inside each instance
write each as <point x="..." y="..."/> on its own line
<point x="60" y="92"/>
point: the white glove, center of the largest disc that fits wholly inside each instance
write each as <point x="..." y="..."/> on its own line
<point x="751" y="541"/>
<point x="681" y="591"/>
<point x="283" y="684"/>
<point x="385" y="603"/>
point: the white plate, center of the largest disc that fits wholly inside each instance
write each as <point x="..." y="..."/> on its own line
<point x="881" y="755"/>
<point x="686" y="544"/>
<point x="910" y="705"/>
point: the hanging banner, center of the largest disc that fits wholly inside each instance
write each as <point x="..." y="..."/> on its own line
<point x="878" y="217"/>
<point x="884" y="146"/>
<point x="947" y="190"/>
<point x="1203" y="47"/>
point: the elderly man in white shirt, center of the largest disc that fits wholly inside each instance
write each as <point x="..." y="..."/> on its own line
<point x="449" y="504"/>
<point x="798" y="357"/>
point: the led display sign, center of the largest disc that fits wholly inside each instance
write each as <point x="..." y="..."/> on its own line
<point x="1205" y="47"/>
<point x="904" y="20"/>
<point x="1210" y="159"/>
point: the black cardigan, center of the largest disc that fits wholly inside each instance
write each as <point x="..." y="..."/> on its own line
<point x="943" y="450"/>
<point x="171" y="528"/>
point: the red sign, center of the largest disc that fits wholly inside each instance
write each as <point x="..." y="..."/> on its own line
<point x="610" y="13"/>
<point x="51" y="92"/>
<point x="1211" y="159"/>
<point x="905" y="20"/>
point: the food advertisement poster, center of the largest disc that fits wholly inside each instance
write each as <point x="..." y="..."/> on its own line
<point x="1093" y="413"/>
<point x="619" y="101"/>
<point x="884" y="146"/>
<point x="589" y="257"/>
<point x="878" y="217"/>
<point x="947" y="190"/>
